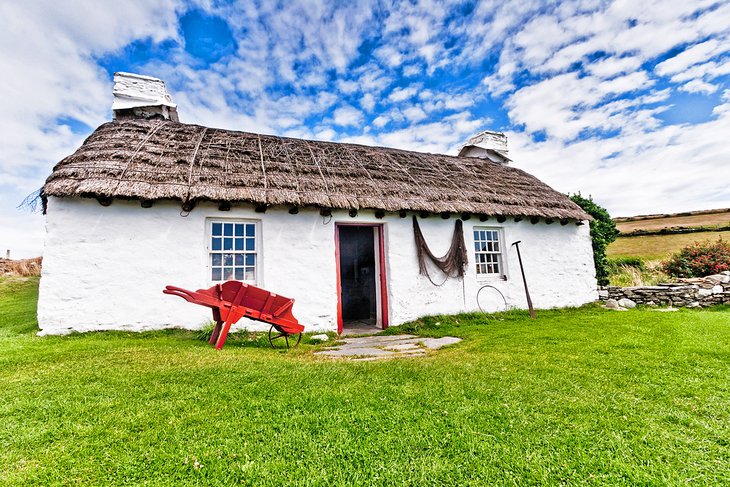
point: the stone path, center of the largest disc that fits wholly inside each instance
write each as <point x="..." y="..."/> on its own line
<point x="381" y="347"/>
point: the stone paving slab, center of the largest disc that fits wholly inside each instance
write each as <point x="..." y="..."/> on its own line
<point x="382" y="347"/>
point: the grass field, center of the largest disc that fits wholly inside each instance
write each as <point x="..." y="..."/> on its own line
<point x="581" y="396"/>
<point x="658" y="247"/>
<point x="718" y="218"/>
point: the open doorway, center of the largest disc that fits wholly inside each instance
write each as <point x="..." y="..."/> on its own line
<point x="361" y="277"/>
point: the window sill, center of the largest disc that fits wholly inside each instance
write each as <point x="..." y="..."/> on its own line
<point x="491" y="278"/>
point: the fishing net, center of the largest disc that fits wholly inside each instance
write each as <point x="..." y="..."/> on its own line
<point x="453" y="264"/>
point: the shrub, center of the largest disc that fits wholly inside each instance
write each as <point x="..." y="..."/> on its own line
<point x="699" y="259"/>
<point x="603" y="232"/>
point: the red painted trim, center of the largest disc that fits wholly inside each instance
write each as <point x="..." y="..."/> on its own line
<point x="347" y="224"/>
<point x="383" y="280"/>
<point x="383" y="273"/>
<point x="339" y="283"/>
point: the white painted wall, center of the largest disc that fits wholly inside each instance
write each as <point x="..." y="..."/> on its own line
<point x="105" y="267"/>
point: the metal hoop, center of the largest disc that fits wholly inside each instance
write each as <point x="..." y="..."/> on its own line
<point x="498" y="292"/>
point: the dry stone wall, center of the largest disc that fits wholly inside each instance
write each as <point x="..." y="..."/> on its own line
<point x="689" y="293"/>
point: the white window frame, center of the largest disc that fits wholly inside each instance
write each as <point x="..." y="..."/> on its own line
<point x="500" y="260"/>
<point x="256" y="252"/>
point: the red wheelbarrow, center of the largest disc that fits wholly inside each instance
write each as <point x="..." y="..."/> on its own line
<point x="233" y="300"/>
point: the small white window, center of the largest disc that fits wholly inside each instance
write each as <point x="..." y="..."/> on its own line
<point x="233" y="251"/>
<point x="488" y="252"/>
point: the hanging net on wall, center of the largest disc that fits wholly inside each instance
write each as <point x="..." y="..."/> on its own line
<point x="453" y="263"/>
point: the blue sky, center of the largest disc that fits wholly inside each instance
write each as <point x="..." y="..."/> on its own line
<point x="626" y="101"/>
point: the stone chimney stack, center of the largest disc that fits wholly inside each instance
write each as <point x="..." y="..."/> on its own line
<point x="138" y="96"/>
<point x="487" y="145"/>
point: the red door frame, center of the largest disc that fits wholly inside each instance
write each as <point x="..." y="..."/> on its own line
<point x="382" y="277"/>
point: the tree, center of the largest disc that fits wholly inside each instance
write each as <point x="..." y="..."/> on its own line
<point x="603" y="232"/>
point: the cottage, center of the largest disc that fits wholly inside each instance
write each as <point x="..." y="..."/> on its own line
<point x="346" y="230"/>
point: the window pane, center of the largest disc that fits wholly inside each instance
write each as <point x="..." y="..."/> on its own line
<point x="228" y="229"/>
<point x="216" y="274"/>
<point x="250" y="274"/>
<point x="250" y="242"/>
<point x="487" y="252"/>
<point x="250" y="229"/>
<point x="239" y="273"/>
<point x="239" y="229"/>
<point x="217" y="229"/>
<point x="239" y="243"/>
<point x="227" y="273"/>
<point x="250" y="259"/>
<point x="239" y="259"/>
<point x="216" y="259"/>
<point x="227" y="244"/>
<point x="227" y="259"/>
<point x="216" y="244"/>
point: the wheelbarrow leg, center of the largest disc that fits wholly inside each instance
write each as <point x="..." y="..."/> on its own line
<point x="216" y="332"/>
<point x="223" y="335"/>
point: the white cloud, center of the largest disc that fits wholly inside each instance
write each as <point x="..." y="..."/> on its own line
<point x="347" y="86"/>
<point x="372" y="79"/>
<point x="391" y="56"/>
<point x="414" y="114"/>
<point x="613" y="66"/>
<point x="412" y="70"/>
<point x="325" y="134"/>
<point x="672" y="168"/>
<point x="566" y="105"/>
<point x="698" y="86"/>
<point x="367" y="102"/>
<point x="442" y="137"/>
<point x="347" y="115"/>
<point x="402" y="94"/>
<point x="689" y="57"/>
<point x="380" y="121"/>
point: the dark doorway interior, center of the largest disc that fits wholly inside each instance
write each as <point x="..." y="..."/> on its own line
<point x="357" y="275"/>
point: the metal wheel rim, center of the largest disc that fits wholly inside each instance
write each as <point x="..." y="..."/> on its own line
<point x="284" y="335"/>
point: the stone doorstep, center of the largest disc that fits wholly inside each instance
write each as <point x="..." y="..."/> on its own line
<point x="382" y="347"/>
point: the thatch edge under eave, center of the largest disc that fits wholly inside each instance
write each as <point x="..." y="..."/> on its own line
<point x="155" y="160"/>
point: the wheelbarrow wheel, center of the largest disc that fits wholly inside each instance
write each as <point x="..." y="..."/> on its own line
<point x="290" y="341"/>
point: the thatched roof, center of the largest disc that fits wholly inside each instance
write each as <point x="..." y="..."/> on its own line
<point x="158" y="159"/>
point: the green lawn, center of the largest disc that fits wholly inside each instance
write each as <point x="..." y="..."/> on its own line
<point x="583" y="396"/>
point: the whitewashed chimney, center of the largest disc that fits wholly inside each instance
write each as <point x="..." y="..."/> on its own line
<point x="138" y="96"/>
<point x="487" y="145"/>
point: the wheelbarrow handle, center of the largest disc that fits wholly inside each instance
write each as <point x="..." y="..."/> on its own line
<point x="193" y="297"/>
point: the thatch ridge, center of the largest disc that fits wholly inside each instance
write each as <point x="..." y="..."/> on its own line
<point x="160" y="159"/>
